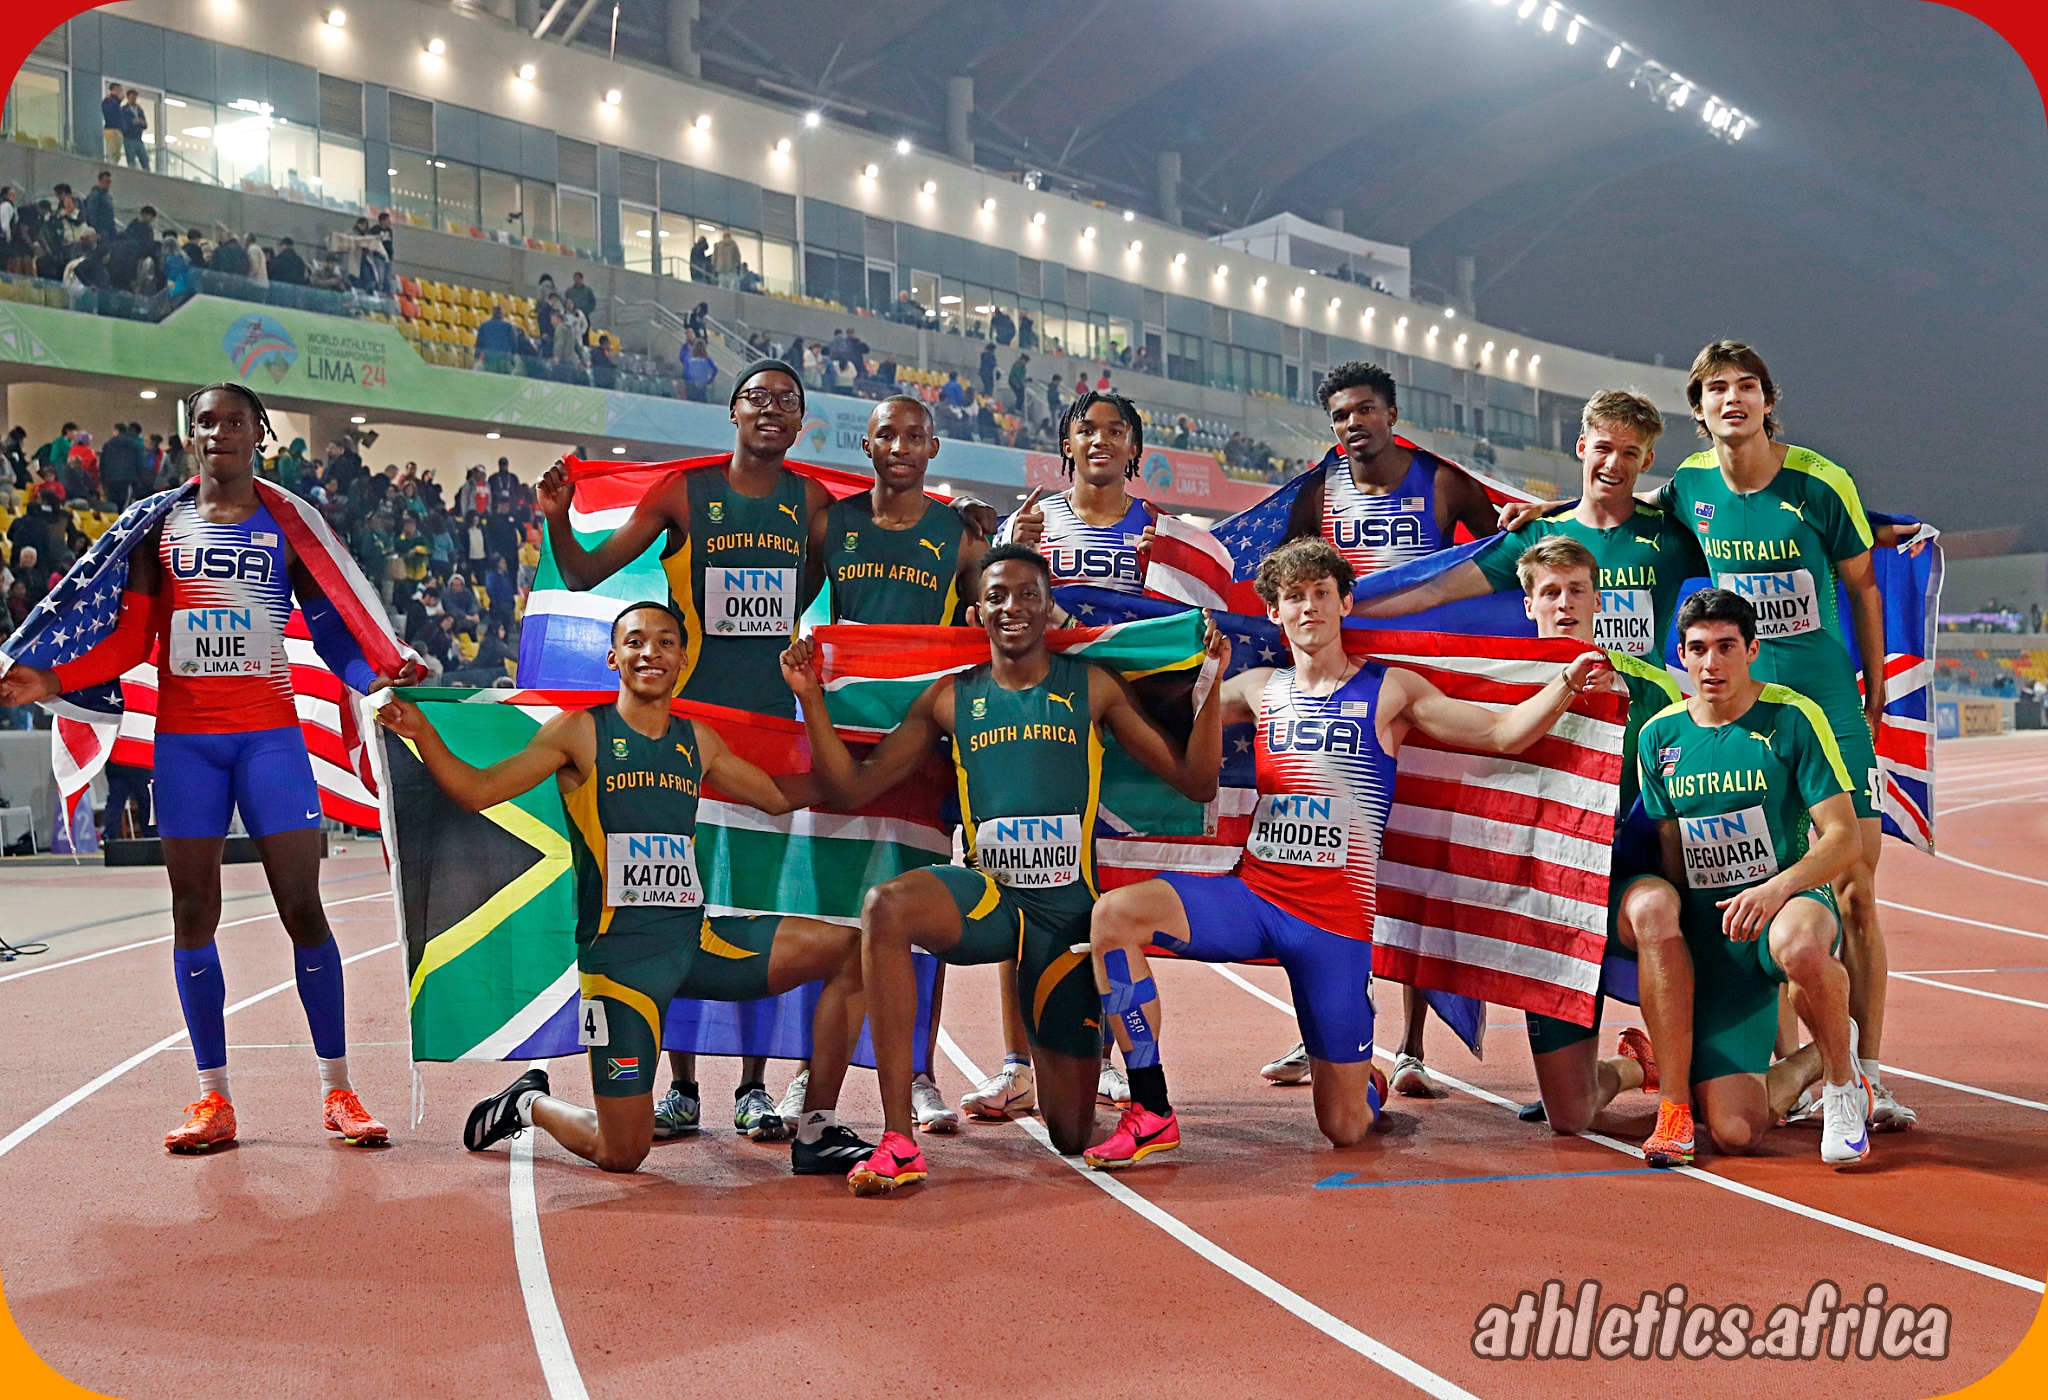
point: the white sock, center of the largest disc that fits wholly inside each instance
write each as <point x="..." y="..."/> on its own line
<point x="1870" y="1070"/>
<point x="813" y="1124"/>
<point x="333" y="1075"/>
<point x="214" y="1081"/>
<point x="525" y="1107"/>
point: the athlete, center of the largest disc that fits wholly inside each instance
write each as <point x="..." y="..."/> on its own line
<point x="1559" y="580"/>
<point x="1027" y="733"/>
<point x="1383" y="505"/>
<point x="210" y="588"/>
<point x="1734" y="778"/>
<point x="631" y="774"/>
<point x="1329" y="728"/>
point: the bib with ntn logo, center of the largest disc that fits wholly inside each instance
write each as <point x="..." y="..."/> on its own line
<point x="741" y="590"/>
<point x="228" y="599"/>
<point x="632" y="831"/>
<point x="650" y="867"/>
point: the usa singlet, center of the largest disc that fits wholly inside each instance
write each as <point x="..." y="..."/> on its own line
<point x="1324" y="786"/>
<point x="1103" y="556"/>
<point x="1379" y="531"/>
<point x="226" y="599"/>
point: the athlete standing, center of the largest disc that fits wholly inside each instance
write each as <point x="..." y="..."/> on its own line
<point x="213" y="583"/>
<point x="1329" y="728"/>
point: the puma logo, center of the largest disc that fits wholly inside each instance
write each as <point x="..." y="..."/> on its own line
<point x="685" y="753"/>
<point x="1651" y="542"/>
<point x="937" y="553"/>
<point x="1066" y="700"/>
<point x="1799" y="511"/>
<point x="788" y="511"/>
<point x="1763" y="739"/>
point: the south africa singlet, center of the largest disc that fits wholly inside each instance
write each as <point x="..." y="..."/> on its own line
<point x="1379" y="531"/>
<point x="1324" y="786"/>
<point x="883" y="575"/>
<point x="738" y="584"/>
<point x="226" y="600"/>
<point x="1102" y="556"/>
<point x="632" y="832"/>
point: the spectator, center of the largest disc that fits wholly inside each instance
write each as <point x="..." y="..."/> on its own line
<point x="195" y="250"/>
<point x="411" y="548"/>
<point x="81" y="470"/>
<point x="700" y="260"/>
<point x="98" y="209"/>
<point x="473" y="496"/>
<point x="31" y="575"/>
<point x="141" y="229"/>
<point x="499" y="589"/>
<point x="230" y="257"/>
<point x="496" y="343"/>
<point x="440" y="546"/>
<point x="134" y="127"/>
<point x="1002" y="327"/>
<point x="15" y="451"/>
<point x="1055" y="399"/>
<point x="125" y="265"/>
<point x="459" y="603"/>
<point x="386" y="236"/>
<point x="1102" y="384"/>
<point x="699" y="373"/>
<point x="750" y="280"/>
<point x="1019" y="376"/>
<point x="503" y="483"/>
<point x="953" y="393"/>
<point x="699" y="320"/>
<point x="121" y="472"/>
<point x="291" y="467"/>
<point x="30" y="531"/>
<point x="493" y="651"/>
<point x="113" y="125"/>
<point x="287" y="266"/>
<point x="1027" y="332"/>
<point x="988" y="368"/>
<point x="725" y="260"/>
<point x="570" y="331"/>
<point x="52" y="453"/>
<point x="174" y="469"/>
<point x="329" y="275"/>
<point x="179" y="276"/>
<point x="501" y="535"/>
<point x="604" y="373"/>
<point x="581" y="298"/>
<point x="546" y="313"/>
<point x="259" y="261"/>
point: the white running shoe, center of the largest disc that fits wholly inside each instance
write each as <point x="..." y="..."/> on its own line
<point x="1009" y="1090"/>
<point x="1411" y="1078"/>
<point x="1112" y="1090"/>
<point x="1290" y="1068"/>
<point x="930" y="1107"/>
<point x="1887" y="1114"/>
<point x="1806" y="1109"/>
<point x="1845" y="1114"/>
<point x="792" y="1106"/>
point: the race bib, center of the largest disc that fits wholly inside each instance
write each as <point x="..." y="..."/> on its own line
<point x="1626" y="622"/>
<point x="1029" y="853"/>
<point x="1290" y="828"/>
<point x="1728" y="852"/>
<point x="591" y="1026"/>
<point x="749" y="602"/>
<point x="224" y="642"/>
<point x="650" y="867"/>
<point x="1785" y="603"/>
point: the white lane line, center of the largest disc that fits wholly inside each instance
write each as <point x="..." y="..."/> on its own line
<point x="1988" y="783"/>
<point x="165" y="938"/>
<point x="1966" y="1088"/>
<point x="550" y="1338"/>
<point x="85" y="1091"/>
<point x="1959" y="919"/>
<point x="1990" y="870"/>
<point x="1987" y="802"/>
<point x="1971" y="991"/>
<point x="1332" y="1326"/>
<point x="1840" y="1222"/>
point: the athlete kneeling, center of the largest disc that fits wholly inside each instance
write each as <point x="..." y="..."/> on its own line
<point x="1329" y="728"/>
<point x="630" y="774"/>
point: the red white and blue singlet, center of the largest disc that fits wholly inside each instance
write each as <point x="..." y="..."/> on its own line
<point x="1102" y="556"/>
<point x="1378" y="532"/>
<point x="226" y="600"/>
<point x="1324" y="786"/>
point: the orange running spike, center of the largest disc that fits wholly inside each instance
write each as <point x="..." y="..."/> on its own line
<point x="210" y="1121"/>
<point x="346" y="1115"/>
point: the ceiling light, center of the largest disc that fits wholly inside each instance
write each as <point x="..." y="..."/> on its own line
<point x="1038" y="219"/>
<point x="949" y="301"/>
<point x="1571" y="35"/>
<point x="527" y="72"/>
<point x="1462" y="338"/>
<point x="493" y="437"/>
<point x="1550" y="19"/>
<point x="1740" y="127"/>
<point x="1370" y="312"/>
<point x="1528" y="8"/>
<point x="1402" y="324"/>
<point x="1259" y="282"/>
<point x="388" y="170"/>
<point x="1450" y="313"/>
<point x="147" y="394"/>
<point x="1535" y="360"/>
<point x="703" y="121"/>
<point x="871" y="170"/>
<point x="437" y="47"/>
<point x="1486" y="349"/>
<point x="337" y="18"/>
<point x="1336" y="302"/>
<point x="903" y="146"/>
<point x="1222" y="269"/>
<point x="930" y="187"/>
<point x="1684" y="93"/>
<point x="618" y="452"/>
<point x="614" y="97"/>
<point x="1088" y="233"/>
<point x="1180" y="259"/>
<point x="812" y="119"/>
<point x="358" y="418"/>
<point x="1300" y="292"/>
<point x="1614" y="55"/>
<point x="1432" y="331"/>
<point x="1137" y="245"/>
<point x="1514" y="353"/>
<point x="988" y="206"/>
<point x="1130" y="214"/>
<point x="782" y="146"/>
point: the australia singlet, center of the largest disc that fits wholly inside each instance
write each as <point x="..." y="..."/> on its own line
<point x="633" y="829"/>
<point x="1324" y="786"/>
<point x="1102" y="556"/>
<point x="226" y="599"/>
<point x="902" y="576"/>
<point x="1379" y="531"/>
<point x="738" y="585"/>
<point x="1030" y="768"/>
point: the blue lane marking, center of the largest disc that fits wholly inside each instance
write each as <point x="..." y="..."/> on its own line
<point x="1346" y="1181"/>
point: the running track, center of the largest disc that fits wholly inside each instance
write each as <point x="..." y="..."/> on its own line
<point x="1258" y="1262"/>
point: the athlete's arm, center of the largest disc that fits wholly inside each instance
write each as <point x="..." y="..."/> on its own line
<point x="136" y="628"/>
<point x="1305" y="516"/>
<point x="735" y="777"/>
<point x="967" y="577"/>
<point x="336" y="645"/>
<point x="1459" y="582"/>
<point x="1421" y="705"/>
<point x="664" y="510"/>
<point x="848" y="782"/>
<point x="817" y="505"/>
<point x="1748" y="914"/>
<point x="566" y="743"/>
<point x="1239" y="696"/>
<point x="1515" y="514"/>
<point x="1859" y="576"/>
<point x="1465" y="502"/>
<point x="1192" y="772"/>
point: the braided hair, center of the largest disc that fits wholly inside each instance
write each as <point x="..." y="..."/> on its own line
<point x="1077" y="411"/>
<point x="191" y="407"/>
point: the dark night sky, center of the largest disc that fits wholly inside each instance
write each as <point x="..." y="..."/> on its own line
<point x="1880" y="240"/>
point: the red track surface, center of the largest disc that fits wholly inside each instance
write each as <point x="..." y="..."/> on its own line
<point x="293" y="1263"/>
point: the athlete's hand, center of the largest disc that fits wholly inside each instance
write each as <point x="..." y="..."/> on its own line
<point x="979" y="515"/>
<point x="1515" y="514"/>
<point x="404" y="719"/>
<point x="1747" y="917"/>
<point x="1027" y="526"/>
<point x="1587" y="667"/>
<point x="554" y="493"/>
<point x="1145" y="540"/>
<point x="24" y="685"/>
<point x="1215" y="645"/>
<point x="797" y="672"/>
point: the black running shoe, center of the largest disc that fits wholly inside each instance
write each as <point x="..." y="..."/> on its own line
<point x="497" y="1117"/>
<point x="836" y="1152"/>
<point x="1532" y="1112"/>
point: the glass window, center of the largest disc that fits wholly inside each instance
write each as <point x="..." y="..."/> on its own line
<point x="924" y="290"/>
<point x="36" y="107"/>
<point x="455" y="194"/>
<point x="186" y="151"/>
<point x="412" y="186"/>
<point x="537" y="209"/>
<point x="501" y="203"/>
<point x="241" y="142"/>
<point x="577" y="211"/>
<point x="341" y="172"/>
<point x="952" y="299"/>
<point x="637" y="234"/>
<point x="295" y="161"/>
<point x="777" y="266"/>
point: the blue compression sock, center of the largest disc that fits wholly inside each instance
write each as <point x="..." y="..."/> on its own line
<point x="1126" y="1001"/>
<point x="319" y="973"/>
<point x="203" y="993"/>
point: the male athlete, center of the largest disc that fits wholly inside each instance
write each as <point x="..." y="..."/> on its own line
<point x="1558" y="576"/>
<point x="209" y="591"/>
<point x="1734" y="777"/>
<point x="1027" y="732"/>
<point x="1383" y="505"/>
<point x="631" y="774"/>
<point x="1329" y="728"/>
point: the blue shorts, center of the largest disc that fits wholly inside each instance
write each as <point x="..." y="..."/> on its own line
<point x="202" y="778"/>
<point x="1331" y="976"/>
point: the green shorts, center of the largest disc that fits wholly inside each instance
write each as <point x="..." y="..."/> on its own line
<point x="1735" y="992"/>
<point x="1548" y="1033"/>
<point x="1047" y="933"/>
<point x="1843" y="707"/>
<point x="630" y="978"/>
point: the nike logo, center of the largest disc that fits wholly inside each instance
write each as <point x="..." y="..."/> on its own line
<point x="787" y="511"/>
<point x="197" y="972"/>
<point x="1066" y="700"/>
<point x="312" y="816"/>
<point x="937" y="553"/>
<point x="1799" y="511"/>
<point x="1365" y="1049"/>
<point x="1142" y="1138"/>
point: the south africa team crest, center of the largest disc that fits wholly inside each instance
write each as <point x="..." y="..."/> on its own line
<point x="618" y="748"/>
<point x="852" y="541"/>
<point x="716" y="510"/>
<point x="979" y="709"/>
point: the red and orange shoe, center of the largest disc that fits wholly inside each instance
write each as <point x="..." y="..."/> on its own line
<point x="1672" y="1144"/>
<point x="895" y="1162"/>
<point x="1139" y="1133"/>
<point x="1376" y="1091"/>
<point x="210" y="1121"/>
<point x="346" y="1115"/>
<point x="1636" y="1046"/>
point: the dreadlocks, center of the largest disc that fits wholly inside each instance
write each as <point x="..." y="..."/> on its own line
<point x="1077" y="411"/>
<point x="248" y="395"/>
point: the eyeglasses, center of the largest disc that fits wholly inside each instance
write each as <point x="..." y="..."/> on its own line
<point x="789" y="400"/>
